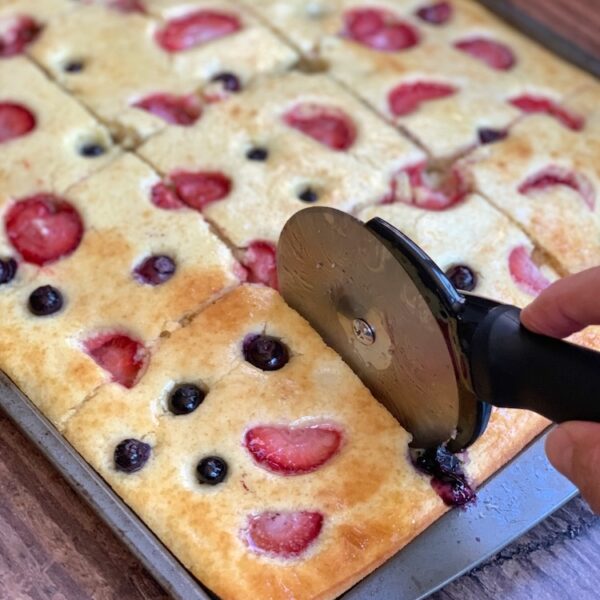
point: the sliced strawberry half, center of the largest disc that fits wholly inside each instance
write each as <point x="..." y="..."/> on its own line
<point x="435" y="14"/>
<point x="16" y="33"/>
<point x="118" y="354"/>
<point x="292" y="450"/>
<point x="327" y="125"/>
<point x="15" y="121"/>
<point x="539" y="104"/>
<point x="260" y="261"/>
<point x="495" y="55"/>
<point x="430" y="191"/>
<point x="407" y="97"/>
<point x="177" y="110"/>
<point x="379" y="29"/>
<point x="554" y="175"/>
<point x="525" y="273"/>
<point x="196" y="28"/>
<point x="283" y="534"/>
<point x="43" y="228"/>
<point x="198" y="190"/>
<point x="128" y="6"/>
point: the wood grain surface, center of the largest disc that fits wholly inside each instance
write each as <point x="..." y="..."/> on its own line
<point x="52" y="546"/>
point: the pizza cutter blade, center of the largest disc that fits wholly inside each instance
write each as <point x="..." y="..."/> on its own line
<point x="437" y="359"/>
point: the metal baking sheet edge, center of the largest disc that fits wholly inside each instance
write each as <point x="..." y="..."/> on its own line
<point x="510" y="503"/>
<point x="167" y="570"/>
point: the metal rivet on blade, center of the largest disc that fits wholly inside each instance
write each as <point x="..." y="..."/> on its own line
<point x="363" y="331"/>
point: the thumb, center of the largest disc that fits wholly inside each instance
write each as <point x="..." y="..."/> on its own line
<point x="574" y="450"/>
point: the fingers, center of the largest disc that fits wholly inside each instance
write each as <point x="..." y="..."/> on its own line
<point x="566" y="306"/>
<point x="574" y="450"/>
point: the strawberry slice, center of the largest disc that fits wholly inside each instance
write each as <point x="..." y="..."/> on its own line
<point x="554" y="175"/>
<point x="196" y="28"/>
<point x="260" y="261"/>
<point x="164" y="196"/>
<point x="118" y="354"/>
<point x="429" y="191"/>
<point x="407" y="97"/>
<point x="16" y="33"/>
<point x="177" y="110"/>
<point x="128" y="6"/>
<point x="538" y="104"/>
<point x="435" y="14"/>
<point x="292" y="450"/>
<point x="43" y="228"/>
<point x="325" y="124"/>
<point x="283" y="534"/>
<point x="525" y="273"/>
<point x="495" y="55"/>
<point x="198" y="190"/>
<point x="15" y="121"/>
<point x="379" y="29"/>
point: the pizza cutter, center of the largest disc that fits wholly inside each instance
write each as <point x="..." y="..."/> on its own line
<point x="437" y="359"/>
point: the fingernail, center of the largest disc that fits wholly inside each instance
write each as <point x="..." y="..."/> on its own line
<point x="559" y="448"/>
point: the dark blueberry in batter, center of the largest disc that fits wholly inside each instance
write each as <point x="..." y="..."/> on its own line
<point x="185" y="398"/>
<point x="45" y="300"/>
<point x="131" y="455"/>
<point x="462" y="278"/>
<point x="265" y="352"/>
<point x="211" y="470"/>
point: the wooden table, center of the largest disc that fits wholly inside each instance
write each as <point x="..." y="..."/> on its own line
<point x="53" y="547"/>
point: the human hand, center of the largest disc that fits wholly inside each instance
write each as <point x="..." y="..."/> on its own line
<point x="565" y="307"/>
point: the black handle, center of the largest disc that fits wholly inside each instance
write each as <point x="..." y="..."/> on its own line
<point x="514" y="368"/>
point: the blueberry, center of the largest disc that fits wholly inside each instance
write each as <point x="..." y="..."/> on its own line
<point x="489" y="136"/>
<point x="185" y="398"/>
<point x="131" y="455"/>
<point x="265" y="352"/>
<point x="73" y="66"/>
<point x="45" y="300"/>
<point x="92" y="150"/>
<point x="211" y="470"/>
<point x="308" y="195"/>
<point x="155" y="270"/>
<point x="8" y="270"/>
<point x="462" y="278"/>
<point x="258" y="154"/>
<point x="448" y="478"/>
<point x="230" y="81"/>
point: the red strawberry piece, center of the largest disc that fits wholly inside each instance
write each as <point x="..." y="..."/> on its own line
<point x="17" y="33"/>
<point x="554" y="175"/>
<point x="118" y="354"/>
<point x="539" y="104"/>
<point x="164" y="196"/>
<point x="435" y="14"/>
<point x="260" y="261"/>
<point x="407" y="97"/>
<point x="495" y="55"/>
<point x="379" y="29"/>
<point x="325" y="124"/>
<point x="128" y="6"/>
<point x="196" y="28"/>
<point x="15" y="121"/>
<point x="177" y="110"/>
<point x="429" y="191"/>
<point x="198" y="190"/>
<point x="525" y="273"/>
<point x="43" y="228"/>
<point x="283" y="534"/>
<point x="292" y="450"/>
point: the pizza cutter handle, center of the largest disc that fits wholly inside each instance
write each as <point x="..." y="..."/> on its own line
<point x="512" y="367"/>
